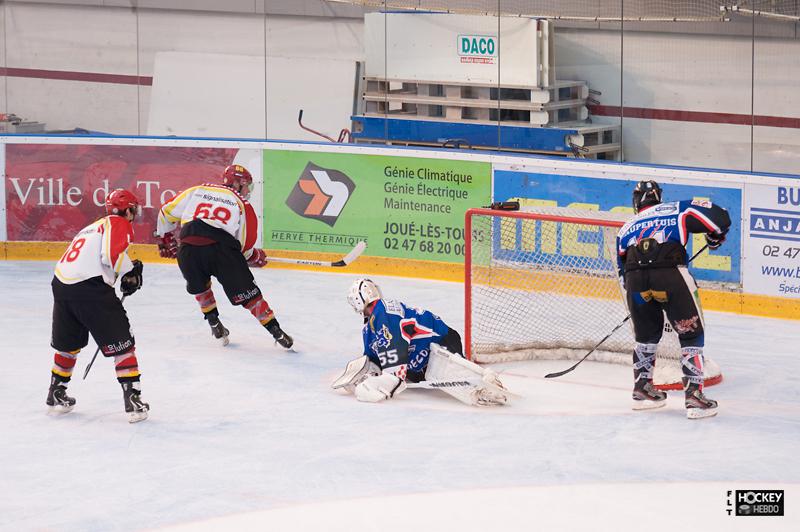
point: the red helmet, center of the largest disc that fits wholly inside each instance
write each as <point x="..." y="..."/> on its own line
<point x="238" y="178"/>
<point x="120" y="200"/>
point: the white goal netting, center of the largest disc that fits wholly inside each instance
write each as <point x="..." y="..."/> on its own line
<point x="543" y="284"/>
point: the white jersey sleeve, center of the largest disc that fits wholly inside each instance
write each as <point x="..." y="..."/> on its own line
<point x="99" y="249"/>
<point x="215" y="205"/>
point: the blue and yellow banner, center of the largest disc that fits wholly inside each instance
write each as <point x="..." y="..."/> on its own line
<point x="601" y="194"/>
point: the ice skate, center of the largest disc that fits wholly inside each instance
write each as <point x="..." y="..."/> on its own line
<point x="134" y="406"/>
<point x="57" y="398"/>
<point x="280" y="337"/>
<point x="218" y="330"/>
<point x="646" y="396"/>
<point x="698" y="405"/>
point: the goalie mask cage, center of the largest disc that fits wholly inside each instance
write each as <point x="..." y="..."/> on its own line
<point x="542" y="284"/>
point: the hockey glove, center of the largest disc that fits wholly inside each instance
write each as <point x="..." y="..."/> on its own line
<point x="258" y="259"/>
<point x="167" y="246"/>
<point x="715" y="240"/>
<point x="132" y="281"/>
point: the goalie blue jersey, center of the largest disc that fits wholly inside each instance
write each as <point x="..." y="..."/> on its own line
<point x="398" y="338"/>
<point x="667" y="227"/>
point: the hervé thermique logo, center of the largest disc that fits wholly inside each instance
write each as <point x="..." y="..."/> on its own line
<point x="320" y="194"/>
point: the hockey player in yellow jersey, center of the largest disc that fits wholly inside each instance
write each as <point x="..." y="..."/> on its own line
<point x="218" y="233"/>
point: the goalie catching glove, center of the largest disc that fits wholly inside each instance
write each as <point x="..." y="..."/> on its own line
<point x="364" y="379"/>
<point x="132" y="281"/>
<point x="167" y="246"/>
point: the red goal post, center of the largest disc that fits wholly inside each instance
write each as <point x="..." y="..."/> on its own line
<point x="541" y="283"/>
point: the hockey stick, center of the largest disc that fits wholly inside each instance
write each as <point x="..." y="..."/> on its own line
<point x="560" y="373"/>
<point x="344" y="261"/>
<point x="315" y="132"/>
<point x="89" y="366"/>
<point x="344" y="134"/>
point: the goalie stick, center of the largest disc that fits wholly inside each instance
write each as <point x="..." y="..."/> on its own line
<point x="344" y="261"/>
<point x="560" y="373"/>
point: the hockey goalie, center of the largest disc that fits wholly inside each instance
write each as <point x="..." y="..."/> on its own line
<point x="411" y="347"/>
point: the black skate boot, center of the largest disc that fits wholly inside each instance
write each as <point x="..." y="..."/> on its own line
<point x="646" y="396"/>
<point x="698" y="405"/>
<point x="281" y="337"/>
<point x="218" y="330"/>
<point x="57" y="398"/>
<point x="134" y="406"/>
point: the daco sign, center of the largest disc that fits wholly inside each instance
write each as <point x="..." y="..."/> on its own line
<point x="477" y="48"/>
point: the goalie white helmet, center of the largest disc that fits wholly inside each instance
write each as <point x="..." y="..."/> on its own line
<point x="362" y="293"/>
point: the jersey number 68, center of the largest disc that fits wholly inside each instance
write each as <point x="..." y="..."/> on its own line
<point x="203" y="211"/>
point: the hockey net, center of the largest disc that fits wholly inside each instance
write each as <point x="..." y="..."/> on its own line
<point x="542" y="284"/>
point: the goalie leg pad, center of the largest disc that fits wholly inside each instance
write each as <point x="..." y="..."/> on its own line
<point x="378" y="388"/>
<point x="355" y="373"/>
<point x="444" y="365"/>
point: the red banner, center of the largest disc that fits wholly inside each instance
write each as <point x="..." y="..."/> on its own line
<point x="54" y="190"/>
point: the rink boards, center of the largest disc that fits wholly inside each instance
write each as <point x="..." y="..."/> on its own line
<point x="317" y="200"/>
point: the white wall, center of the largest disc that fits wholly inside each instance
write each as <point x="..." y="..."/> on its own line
<point x="309" y="63"/>
<point x="83" y="39"/>
<point x="196" y="32"/>
<point x="701" y="73"/>
<point x="777" y="77"/>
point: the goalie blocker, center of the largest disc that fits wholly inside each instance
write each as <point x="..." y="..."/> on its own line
<point x="448" y="372"/>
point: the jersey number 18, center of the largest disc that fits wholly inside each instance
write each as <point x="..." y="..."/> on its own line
<point x="73" y="251"/>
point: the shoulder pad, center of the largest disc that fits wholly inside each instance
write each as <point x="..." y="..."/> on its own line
<point x="118" y="223"/>
<point x="665" y="208"/>
<point x="702" y="203"/>
<point x="394" y="307"/>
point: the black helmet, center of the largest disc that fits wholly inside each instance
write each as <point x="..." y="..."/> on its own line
<point x="646" y="194"/>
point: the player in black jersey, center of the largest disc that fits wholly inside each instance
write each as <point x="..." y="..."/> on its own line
<point x="652" y="264"/>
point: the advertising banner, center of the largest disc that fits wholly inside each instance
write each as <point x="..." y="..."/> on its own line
<point x="772" y="241"/>
<point x="54" y="190"/>
<point x="404" y="207"/>
<point x="590" y="193"/>
<point x="452" y="48"/>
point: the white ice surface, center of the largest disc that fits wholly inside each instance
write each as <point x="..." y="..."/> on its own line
<point x="250" y="437"/>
